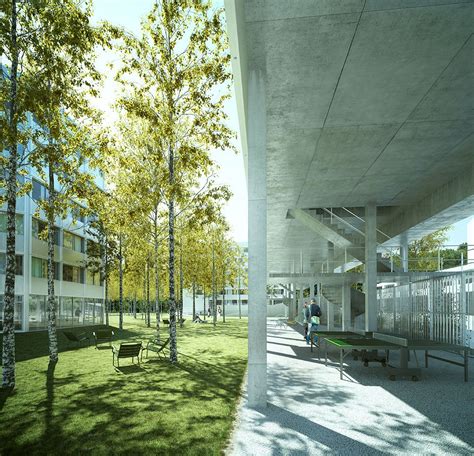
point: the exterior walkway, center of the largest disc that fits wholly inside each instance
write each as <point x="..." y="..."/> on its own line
<point x="312" y="412"/>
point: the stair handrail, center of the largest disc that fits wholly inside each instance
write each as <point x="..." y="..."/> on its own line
<point x="363" y="221"/>
<point x="332" y="214"/>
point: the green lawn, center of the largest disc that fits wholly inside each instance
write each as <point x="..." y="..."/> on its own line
<point x="85" y="406"/>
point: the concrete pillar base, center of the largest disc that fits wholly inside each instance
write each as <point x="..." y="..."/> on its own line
<point x="257" y="375"/>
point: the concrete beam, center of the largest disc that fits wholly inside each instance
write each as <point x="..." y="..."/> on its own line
<point x="448" y="204"/>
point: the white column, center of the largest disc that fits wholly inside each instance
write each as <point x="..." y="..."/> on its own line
<point x="292" y="302"/>
<point x="257" y="236"/>
<point x="371" y="267"/>
<point x="404" y="251"/>
<point x="346" y="307"/>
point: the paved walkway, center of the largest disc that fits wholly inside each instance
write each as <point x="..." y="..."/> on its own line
<point x="312" y="412"/>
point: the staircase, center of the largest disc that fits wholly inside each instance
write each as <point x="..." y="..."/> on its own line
<point x="334" y="296"/>
<point x="351" y="227"/>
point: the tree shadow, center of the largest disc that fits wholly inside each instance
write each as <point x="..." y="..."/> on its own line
<point x="5" y="393"/>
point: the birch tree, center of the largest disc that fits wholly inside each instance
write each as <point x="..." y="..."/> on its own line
<point x="179" y="64"/>
<point x="66" y="140"/>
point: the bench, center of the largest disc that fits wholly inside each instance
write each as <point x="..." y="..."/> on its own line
<point x="156" y="346"/>
<point x="77" y="338"/>
<point x="126" y="350"/>
<point x="165" y="321"/>
<point x="103" y="335"/>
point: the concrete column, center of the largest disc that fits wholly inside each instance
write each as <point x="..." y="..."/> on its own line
<point x="346" y="307"/>
<point x="404" y="251"/>
<point x="257" y="236"/>
<point x="371" y="267"/>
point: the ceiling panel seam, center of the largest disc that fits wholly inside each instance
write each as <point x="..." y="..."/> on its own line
<point x="407" y="120"/>
<point x="419" y="6"/>
<point x="330" y="103"/>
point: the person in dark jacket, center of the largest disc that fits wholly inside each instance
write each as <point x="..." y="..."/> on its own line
<point x="314" y="309"/>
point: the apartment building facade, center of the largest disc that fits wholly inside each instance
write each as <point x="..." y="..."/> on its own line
<point x="79" y="290"/>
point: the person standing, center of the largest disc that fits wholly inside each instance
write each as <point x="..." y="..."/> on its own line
<point x="314" y="310"/>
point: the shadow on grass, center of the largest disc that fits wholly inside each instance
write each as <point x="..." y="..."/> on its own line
<point x="32" y="345"/>
<point x="5" y="393"/>
<point x="131" y="369"/>
<point x="89" y="407"/>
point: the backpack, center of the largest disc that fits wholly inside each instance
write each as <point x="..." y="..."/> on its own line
<point x="315" y="310"/>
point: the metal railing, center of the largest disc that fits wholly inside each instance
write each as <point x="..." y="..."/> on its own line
<point x="439" y="308"/>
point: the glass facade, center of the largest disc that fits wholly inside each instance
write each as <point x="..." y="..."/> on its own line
<point x="71" y="312"/>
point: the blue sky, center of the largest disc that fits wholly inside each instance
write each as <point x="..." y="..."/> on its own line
<point x="128" y="14"/>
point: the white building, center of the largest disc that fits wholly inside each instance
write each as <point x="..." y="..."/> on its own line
<point x="79" y="291"/>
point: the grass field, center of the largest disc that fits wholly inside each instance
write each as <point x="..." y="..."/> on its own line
<point x="83" y="405"/>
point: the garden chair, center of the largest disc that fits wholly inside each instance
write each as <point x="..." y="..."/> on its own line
<point x="126" y="350"/>
<point x="103" y="335"/>
<point x="156" y="346"/>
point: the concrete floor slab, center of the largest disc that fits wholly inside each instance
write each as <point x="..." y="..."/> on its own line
<point x="312" y="412"/>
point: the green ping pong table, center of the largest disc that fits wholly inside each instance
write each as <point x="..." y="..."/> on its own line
<point x="389" y="342"/>
<point x="323" y="335"/>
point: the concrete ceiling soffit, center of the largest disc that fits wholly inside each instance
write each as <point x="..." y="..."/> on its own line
<point x="318" y="227"/>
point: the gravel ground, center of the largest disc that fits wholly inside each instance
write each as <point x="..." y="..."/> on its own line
<point x="312" y="412"/>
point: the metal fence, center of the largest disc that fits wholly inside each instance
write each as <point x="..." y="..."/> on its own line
<point x="438" y="308"/>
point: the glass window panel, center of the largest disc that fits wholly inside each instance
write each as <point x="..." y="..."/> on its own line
<point x="65" y="312"/>
<point x="78" y="312"/>
<point x="19" y="265"/>
<point x="36" y="192"/>
<point x="37" y="313"/>
<point x="68" y="240"/>
<point x="18" y="223"/>
<point x="67" y="273"/>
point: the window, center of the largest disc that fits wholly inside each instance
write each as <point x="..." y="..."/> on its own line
<point x="18" y="223"/>
<point x="38" y="228"/>
<point x="73" y="274"/>
<point x="18" y="264"/>
<point x="39" y="192"/>
<point x="73" y="242"/>
<point x="39" y="268"/>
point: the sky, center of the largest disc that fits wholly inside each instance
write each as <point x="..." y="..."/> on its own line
<point x="128" y="14"/>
